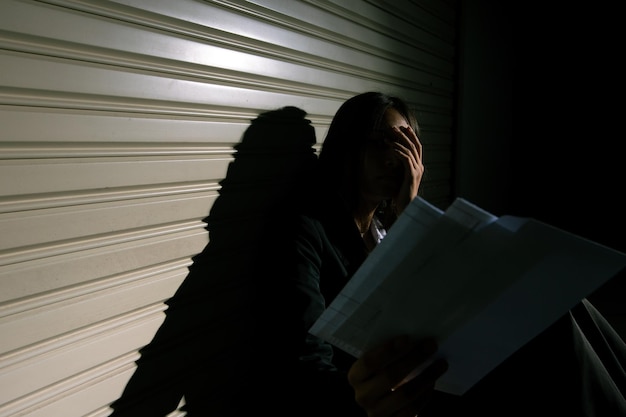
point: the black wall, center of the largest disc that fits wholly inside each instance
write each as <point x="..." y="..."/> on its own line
<point x="540" y="130"/>
<point x="539" y="117"/>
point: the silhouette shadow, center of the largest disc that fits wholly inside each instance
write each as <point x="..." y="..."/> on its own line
<point x="204" y="342"/>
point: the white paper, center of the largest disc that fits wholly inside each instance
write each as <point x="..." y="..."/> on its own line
<point x="482" y="286"/>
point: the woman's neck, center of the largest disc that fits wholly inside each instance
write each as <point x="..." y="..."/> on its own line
<point x="363" y="214"/>
<point x="363" y="223"/>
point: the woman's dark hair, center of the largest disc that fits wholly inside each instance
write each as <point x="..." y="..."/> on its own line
<point x="351" y="127"/>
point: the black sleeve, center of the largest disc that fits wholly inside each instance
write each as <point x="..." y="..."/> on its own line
<point x="295" y="261"/>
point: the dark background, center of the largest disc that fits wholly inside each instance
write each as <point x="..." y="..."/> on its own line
<point x="538" y="120"/>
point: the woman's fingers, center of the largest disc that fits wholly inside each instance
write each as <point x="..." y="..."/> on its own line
<point x="406" y="137"/>
<point x="409" y="150"/>
<point x="381" y="370"/>
<point x="409" y="398"/>
<point x="409" y="147"/>
<point x="375" y="360"/>
<point x="396" y="378"/>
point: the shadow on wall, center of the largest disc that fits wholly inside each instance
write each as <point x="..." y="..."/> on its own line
<point x="204" y="342"/>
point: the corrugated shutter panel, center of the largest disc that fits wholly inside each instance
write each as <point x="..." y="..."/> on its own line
<point x="119" y="122"/>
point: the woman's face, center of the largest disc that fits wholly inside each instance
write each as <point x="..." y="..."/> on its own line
<point x="382" y="172"/>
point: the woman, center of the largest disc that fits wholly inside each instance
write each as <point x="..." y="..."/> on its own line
<point x="370" y="167"/>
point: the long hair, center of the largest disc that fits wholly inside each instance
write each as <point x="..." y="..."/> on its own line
<point x="343" y="147"/>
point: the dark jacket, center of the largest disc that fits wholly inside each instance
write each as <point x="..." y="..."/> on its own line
<point x="309" y="252"/>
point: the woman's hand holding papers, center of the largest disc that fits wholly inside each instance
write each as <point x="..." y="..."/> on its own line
<point x="384" y="380"/>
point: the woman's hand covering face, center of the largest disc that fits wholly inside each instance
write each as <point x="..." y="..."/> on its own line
<point x="392" y="167"/>
<point x="409" y="150"/>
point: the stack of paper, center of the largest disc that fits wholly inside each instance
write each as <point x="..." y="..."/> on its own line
<point x="482" y="285"/>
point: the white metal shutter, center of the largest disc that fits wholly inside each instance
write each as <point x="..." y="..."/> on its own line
<point x="118" y="122"/>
